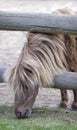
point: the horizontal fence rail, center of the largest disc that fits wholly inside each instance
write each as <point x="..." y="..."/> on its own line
<point x="39" y="22"/>
<point x="67" y="80"/>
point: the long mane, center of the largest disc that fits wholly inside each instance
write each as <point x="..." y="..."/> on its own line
<point x="42" y="57"/>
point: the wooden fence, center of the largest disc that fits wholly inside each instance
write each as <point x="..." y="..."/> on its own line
<point x="42" y="22"/>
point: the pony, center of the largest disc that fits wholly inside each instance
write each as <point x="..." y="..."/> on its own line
<point x="42" y="57"/>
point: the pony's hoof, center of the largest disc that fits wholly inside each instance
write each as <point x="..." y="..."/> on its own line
<point x="63" y="105"/>
<point x="74" y="106"/>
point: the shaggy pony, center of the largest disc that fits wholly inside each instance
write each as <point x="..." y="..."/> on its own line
<point x="43" y="56"/>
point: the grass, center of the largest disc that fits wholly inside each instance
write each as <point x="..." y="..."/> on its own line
<point x="41" y="119"/>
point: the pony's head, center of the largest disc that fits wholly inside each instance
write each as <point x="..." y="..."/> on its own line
<point x="40" y="59"/>
<point x="25" y="90"/>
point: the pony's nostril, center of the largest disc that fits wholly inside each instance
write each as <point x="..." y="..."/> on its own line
<point x="22" y="114"/>
<point x="26" y="112"/>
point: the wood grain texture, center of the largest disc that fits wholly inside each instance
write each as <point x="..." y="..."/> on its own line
<point x="38" y="22"/>
<point x="67" y="80"/>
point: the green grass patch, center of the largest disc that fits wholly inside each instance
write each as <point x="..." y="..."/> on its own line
<point x="41" y="119"/>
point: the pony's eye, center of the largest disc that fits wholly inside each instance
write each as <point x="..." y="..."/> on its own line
<point x="26" y="87"/>
<point x="27" y="70"/>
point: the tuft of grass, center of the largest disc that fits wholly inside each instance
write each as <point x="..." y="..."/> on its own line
<point x="41" y="119"/>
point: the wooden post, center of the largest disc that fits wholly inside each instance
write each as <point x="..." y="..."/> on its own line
<point x="2" y="72"/>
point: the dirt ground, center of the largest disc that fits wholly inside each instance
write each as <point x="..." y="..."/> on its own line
<point x="11" y="44"/>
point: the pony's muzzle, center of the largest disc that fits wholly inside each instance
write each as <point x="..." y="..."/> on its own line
<point x="22" y="115"/>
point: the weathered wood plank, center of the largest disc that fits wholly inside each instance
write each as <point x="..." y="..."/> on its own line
<point x="2" y="72"/>
<point x="66" y="80"/>
<point x="40" y="22"/>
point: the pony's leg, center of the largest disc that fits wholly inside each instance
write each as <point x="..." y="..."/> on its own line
<point x="64" y="98"/>
<point x="74" y="104"/>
